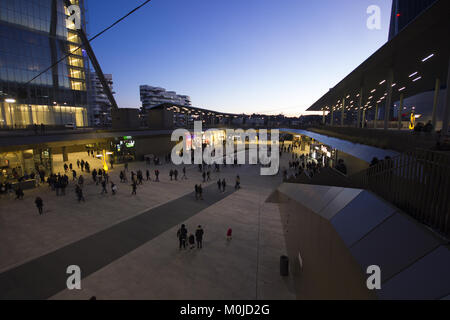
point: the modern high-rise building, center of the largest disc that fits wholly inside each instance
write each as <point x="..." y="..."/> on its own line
<point x="99" y="111"/>
<point x="404" y="12"/>
<point x="34" y="35"/>
<point x="153" y="96"/>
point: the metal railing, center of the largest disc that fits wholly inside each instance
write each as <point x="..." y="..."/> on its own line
<point x="417" y="182"/>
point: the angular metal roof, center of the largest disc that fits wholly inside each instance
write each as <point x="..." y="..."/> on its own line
<point x="419" y="50"/>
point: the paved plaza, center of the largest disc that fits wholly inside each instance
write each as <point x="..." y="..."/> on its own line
<point x="126" y="246"/>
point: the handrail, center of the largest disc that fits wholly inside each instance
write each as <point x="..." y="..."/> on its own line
<point x="417" y="182"/>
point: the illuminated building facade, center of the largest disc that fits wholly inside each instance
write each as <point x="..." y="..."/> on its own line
<point x="34" y="35"/>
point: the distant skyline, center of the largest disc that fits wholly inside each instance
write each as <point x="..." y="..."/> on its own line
<point x="252" y="56"/>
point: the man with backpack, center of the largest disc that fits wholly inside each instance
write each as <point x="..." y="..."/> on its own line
<point x="182" y="235"/>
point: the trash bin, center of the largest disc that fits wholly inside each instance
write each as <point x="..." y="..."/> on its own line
<point x="284" y="266"/>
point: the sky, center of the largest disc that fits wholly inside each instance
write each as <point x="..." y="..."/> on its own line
<point x="237" y="56"/>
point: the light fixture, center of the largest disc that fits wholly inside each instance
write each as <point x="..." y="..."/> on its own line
<point x="416" y="79"/>
<point x="427" y="58"/>
<point x="401" y="89"/>
<point x="10" y="100"/>
<point x="382" y="82"/>
<point x="393" y="85"/>
<point x="413" y="74"/>
<point x="373" y="90"/>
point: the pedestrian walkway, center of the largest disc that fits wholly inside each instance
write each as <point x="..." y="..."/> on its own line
<point x="45" y="276"/>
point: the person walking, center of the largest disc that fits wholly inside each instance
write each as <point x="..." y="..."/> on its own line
<point x="229" y="234"/>
<point x="219" y="184"/>
<point x="208" y="176"/>
<point x="134" y="186"/>
<point x="184" y="177"/>
<point x="199" y="237"/>
<point x="157" y="175"/>
<point x="200" y="192"/>
<point x="171" y="174"/>
<point x="113" y="188"/>
<point x="78" y="164"/>
<point x="175" y="173"/>
<point x="19" y="194"/>
<point x="196" y="192"/>
<point x="74" y="175"/>
<point x="79" y="193"/>
<point x="40" y="205"/>
<point x="147" y="173"/>
<point x="224" y="185"/>
<point x="182" y="234"/>
<point x="238" y="183"/>
<point x="94" y="176"/>
<point x="104" y="187"/>
<point x="204" y="176"/>
<point x="191" y="241"/>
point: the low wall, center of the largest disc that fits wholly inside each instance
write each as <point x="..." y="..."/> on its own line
<point x="401" y="141"/>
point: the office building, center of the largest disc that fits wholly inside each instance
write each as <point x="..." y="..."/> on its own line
<point x="99" y="110"/>
<point x="34" y="35"/>
<point x="154" y="96"/>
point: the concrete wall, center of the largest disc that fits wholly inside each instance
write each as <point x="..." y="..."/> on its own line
<point x="329" y="270"/>
<point x="159" y="145"/>
<point x="125" y="118"/>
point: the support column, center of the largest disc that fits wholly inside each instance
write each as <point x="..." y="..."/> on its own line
<point x="323" y="117"/>
<point x="445" y="119"/>
<point x="64" y="154"/>
<point x="388" y="106"/>
<point x="435" y="102"/>
<point x="358" y="120"/>
<point x="400" y="111"/>
<point x="343" y="112"/>
<point x="375" y="120"/>
<point x="3" y="114"/>
<point x="364" y="118"/>
<point x="332" y="116"/>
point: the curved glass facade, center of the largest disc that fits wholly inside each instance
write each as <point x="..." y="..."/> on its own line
<point x="34" y="34"/>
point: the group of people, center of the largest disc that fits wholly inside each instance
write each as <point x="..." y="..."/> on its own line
<point x="83" y="165"/>
<point x="185" y="238"/>
<point x="58" y="183"/>
<point x="192" y="240"/>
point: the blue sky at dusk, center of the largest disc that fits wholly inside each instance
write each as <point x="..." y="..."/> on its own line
<point x="239" y="56"/>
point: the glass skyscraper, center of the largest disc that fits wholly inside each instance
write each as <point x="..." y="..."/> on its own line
<point x="34" y="34"/>
<point x="404" y="12"/>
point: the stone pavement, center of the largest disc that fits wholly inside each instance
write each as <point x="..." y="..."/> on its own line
<point x="127" y="248"/>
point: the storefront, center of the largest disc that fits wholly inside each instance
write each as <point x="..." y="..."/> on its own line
<point x="323" y="154"/>
<point x="123" y="149"/>
<point x="24" y="165"/>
